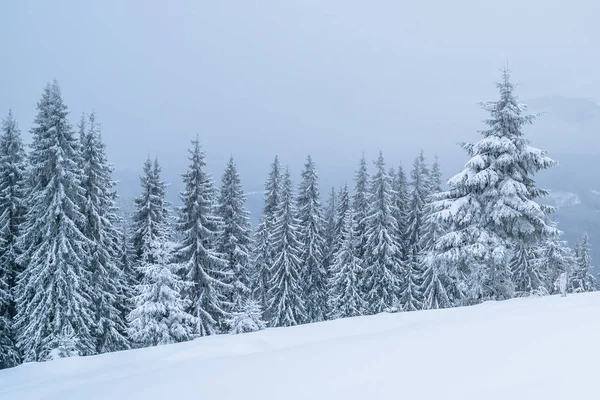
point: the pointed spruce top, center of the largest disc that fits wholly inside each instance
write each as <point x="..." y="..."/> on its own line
<point x="507" y="115"/>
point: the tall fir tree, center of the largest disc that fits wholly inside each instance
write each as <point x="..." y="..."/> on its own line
<point x="286" y="289"/>
<point x="54" y="293"/>
<point x="435" y="177"/>
<point x="151" y="213"/>
<point x="491" y="207"/>
<point x="528" y="278"/>
<point x="412" y="296"/>
<point x="160" y="316"/>
<point x="360" y="205"/>
<point x="128" y="272"/>
<point x="382" y="263"/>
<point x="203" y="266"/>
<point x="263" y="252"/>
<point x="235" y="235"/>
<point x="312" y="244"/>
<point x="553" y="258"/>
<point x="9" y="354"/>
<point x="582" y="277"/>
<point x="13" y="176"/>
<point x="82" y="128"/>
<point x="438" y="288"/>
<point x="100" y="227"/>
<point x="400" y="208"/>
<point x="431" y="228"/>
<point x="345" y="292"/>
<point x="417" y="201"/>
<point x="342" y="208"/>
<point x="329" y="230"/>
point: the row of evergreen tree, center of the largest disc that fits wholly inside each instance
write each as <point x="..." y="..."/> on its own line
<point x="76" y="278"/>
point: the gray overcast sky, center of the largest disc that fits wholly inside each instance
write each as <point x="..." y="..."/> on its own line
<point x="256" y="78"/>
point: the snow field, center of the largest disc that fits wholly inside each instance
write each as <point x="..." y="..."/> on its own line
<point x="528" y="348"/>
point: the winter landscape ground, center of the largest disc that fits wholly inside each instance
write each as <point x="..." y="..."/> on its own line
<point x="527" y="348"/>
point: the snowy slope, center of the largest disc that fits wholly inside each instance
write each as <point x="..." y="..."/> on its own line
<point x="529" y="348"/>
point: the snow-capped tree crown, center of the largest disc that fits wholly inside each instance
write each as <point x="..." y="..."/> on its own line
<point x="312" y="242"/>
<point x="286" y="289"/>
<point x="197" y="251"/>
<point x="382" y="257"/>
<point x="54" y="289"/>
<point x="149" y="220"/>
<point x="500" y="171"/>
<point x="235" y="235"/>
<point x="345" y="290"/>
<point x="100" y="227"/>
<point x="491" y="204"/>
<point x="13" y="172"/>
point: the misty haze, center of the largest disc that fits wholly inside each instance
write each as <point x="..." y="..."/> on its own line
<point x="225" y="184"/>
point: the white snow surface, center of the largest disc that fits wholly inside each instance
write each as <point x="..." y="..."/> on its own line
<point x="528" y="348"/>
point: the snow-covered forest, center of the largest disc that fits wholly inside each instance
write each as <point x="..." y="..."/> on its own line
<point x="77" y="277"/>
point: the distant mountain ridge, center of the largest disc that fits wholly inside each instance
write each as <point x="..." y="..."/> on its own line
<point x="579" y="111"/>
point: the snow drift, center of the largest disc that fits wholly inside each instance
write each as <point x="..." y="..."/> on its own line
<point x="529" y="348"/>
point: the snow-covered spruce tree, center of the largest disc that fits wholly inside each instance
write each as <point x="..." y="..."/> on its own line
<point x="13" y="171"/>
<point x="66" y="345"/>
<point x="286" y="289"/>
<point x="360" y="205"/>
<point x="235" y="236"/>
<point x="9" y="354"/>
<point x="528" y="278"/>
<point x="345" y="292"/>
<point x="553" y="258"/>
<point x="412" y="296"/>
<point x="125" y="255"/>
<point x="400" y="208"/>
<point x="263" y="246"/>
<point x="54" y="290"/>
<point x="343" y="206"/>
<point x="129" y="274"/>
<point x="431" y="228"/>
<point x="203" y="265"/>
<point x="329" y="230"/>
<point x="13" y="187"/>
<point x="248" y="318"/>
<point x="160" y="316"/>
<point x="100" y="227"/>
<point x="562" y="284"/>
<point x="435" y="177"/>
<point x="312" y="243"/>
<point x="151" y="213"/>
<point x="417" y="201"/>
<point x="82" y="129"/>
<point x="582" y="278"/>
<point x="382" y="263"/>
<point x="491" y="206"/>
<point x="438" y="289"/>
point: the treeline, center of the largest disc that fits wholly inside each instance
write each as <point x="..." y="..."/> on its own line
<point x="78" y="279"/>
